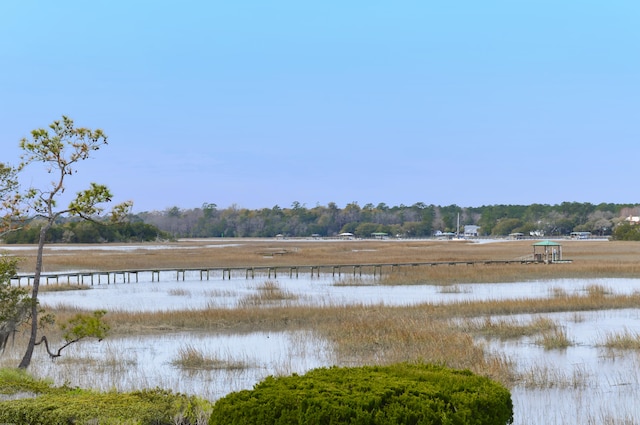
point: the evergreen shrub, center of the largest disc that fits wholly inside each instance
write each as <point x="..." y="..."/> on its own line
<point x="44" y="404"/>
<point x="372" y="395"/>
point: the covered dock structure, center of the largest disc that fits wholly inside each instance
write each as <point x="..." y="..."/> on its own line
<point x="547" y="252"/>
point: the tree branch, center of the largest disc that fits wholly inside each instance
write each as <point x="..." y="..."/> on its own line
<point x="52" y="354"/>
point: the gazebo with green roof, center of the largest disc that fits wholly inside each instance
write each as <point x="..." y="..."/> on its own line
<point x="547" y="251"/>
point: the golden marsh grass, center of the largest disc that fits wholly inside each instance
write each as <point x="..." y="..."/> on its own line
<point x="179" y="292"/>
<point x="625" y="340"/>
<point x="294" y="317"/>
<point x="190" y="357"/>
<point x="268" y="293"/>
<point x="63" y="287"/>
<point x="550" y="377"/>
<point x="554" y="339"/>
<point x="386" y="334"/>
<point x="590" y="259"/>
<point x="507" y="328"/>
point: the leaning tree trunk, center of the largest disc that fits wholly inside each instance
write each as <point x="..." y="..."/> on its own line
<point x="26" y="359"/>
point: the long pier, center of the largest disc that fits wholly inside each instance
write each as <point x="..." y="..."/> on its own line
<point x="206" y="273"/>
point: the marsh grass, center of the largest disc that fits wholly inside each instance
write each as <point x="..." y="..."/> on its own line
<point x="546" y="377"/>
<point x="625" y="340"/>
<point x="454" y="289"/>
<point x="380" y="336"/>
<point x="269" y="286"/>
<point x="556" y="292"/>
<point x="251" y="317"/>
<point x="508" y="328"/>
<point x="180" y="292"/>
<point x="269" y="292"/>
<point x="192" y="358"/>
<point x="354" y="281"/>
<point x="374" y="334"/>
<point x="554" y="339"/>
<point x="446" y="274"/>
<point x="591" y="259"/>
<point x="610" y="419"/>
<point x="594" y="290"/>
<point x="214" y="293"/>
<point x="577" y="317"/>
<point x="62" y="287"/>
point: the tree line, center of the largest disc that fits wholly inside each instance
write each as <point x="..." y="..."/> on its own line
<point x="415" y="221"/>
<point x="96" y="231"/>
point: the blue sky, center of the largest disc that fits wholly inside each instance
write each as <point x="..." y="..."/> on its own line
<point x="264" y="103"/>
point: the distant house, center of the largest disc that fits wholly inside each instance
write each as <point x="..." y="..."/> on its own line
<point x="632" y="219"/>
<point x="444" y="235"/>
<point x="516" y="235"/>
<point x="471" y="231"/>
<point x="580" y="235"/>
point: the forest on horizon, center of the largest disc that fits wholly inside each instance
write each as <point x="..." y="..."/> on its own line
<point x="415" y="221"/>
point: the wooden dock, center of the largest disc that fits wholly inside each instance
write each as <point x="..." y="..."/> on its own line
<point x="205" y="273"/>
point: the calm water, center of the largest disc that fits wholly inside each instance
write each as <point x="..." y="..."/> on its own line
<point x="194" y="293"/>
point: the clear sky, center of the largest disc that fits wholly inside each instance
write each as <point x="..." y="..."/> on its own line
<point x="264" y="103"/>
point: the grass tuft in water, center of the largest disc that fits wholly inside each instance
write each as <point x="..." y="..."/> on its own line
<point x="598" y="291"/>
<point x="354" y="281"/>
<point x="267" y="293"/>
<point x="180" y="292"/>
<point x="626" y="340"/>
<point x="190" y="357"/>
<point x="508" y="328"/>
<point x="454" y="289"/>
<point x="554" y="339"/>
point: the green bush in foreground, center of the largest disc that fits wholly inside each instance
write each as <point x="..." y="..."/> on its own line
<point x="396" y="394"/>
<point x="13" y="381"/>
<point x="47" y="405"/>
